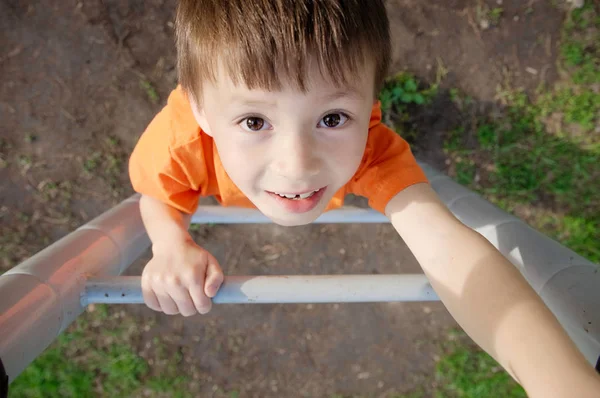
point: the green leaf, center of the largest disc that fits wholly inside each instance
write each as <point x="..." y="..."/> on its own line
<point x="406" y="98"/>
<point x="410" y="85"/>
<point x="397" y="92"/>
<point x="419" y="99"/>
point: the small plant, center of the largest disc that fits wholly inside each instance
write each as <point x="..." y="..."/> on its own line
<point x="112" y="141"/>
<point x="401" y="95"/>
<point x="488" y="17"/>
<point x="91" y="163"/>
<point x="495" y="14"/>
<point x="400" y="90"/>
<point x="487" y="136"/>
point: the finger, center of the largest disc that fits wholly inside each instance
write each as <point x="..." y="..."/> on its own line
<point x="149" y="296"/>
<point x="214" y="277"/>
<point x="167" y="304"/>
<point x="183" y="301"/>
<point x="202" y="303"/>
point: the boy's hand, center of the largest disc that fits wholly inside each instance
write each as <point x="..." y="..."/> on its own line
<point x="181" y="278"/>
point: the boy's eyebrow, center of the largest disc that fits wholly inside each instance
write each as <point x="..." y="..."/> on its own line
<point x="253" y="102"/>
<point x="352" y="93"/>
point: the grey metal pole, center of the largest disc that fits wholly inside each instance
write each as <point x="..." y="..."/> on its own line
<point x="40" y="297"/>
<point x="231" y="215"/>
<point x="281" y="289"/>
<point x="568" y="283"/>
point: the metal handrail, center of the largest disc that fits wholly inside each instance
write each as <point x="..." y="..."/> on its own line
<point x="288" y="289"/>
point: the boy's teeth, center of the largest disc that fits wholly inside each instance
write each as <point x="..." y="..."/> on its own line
<point x="297" y="197"/>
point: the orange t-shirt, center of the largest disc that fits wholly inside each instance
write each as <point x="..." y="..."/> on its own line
<point x="177" y="163"/>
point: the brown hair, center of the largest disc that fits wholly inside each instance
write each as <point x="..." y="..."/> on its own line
<point x="261" y="42"/>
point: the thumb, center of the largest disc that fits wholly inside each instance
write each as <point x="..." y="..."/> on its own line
<point x="214" y="277"/>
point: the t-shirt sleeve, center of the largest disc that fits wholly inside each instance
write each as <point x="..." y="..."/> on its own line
<point x="164" y="167"/>
<point x="388" y="165"/>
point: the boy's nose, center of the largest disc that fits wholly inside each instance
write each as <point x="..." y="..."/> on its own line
<point x="296" y="158"/>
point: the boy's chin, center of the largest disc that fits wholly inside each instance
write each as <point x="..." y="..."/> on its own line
<point x="294" y="220"/>
<point x="291" y="223"/>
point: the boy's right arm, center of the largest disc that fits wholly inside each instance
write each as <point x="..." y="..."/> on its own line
<point x="182" y="277"/>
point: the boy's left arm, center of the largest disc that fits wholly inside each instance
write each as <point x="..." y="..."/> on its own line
<point x="490" y="299"/>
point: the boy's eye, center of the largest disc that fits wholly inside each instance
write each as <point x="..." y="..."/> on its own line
<point x="333" y="120"/>
<point x="254" y="124"/>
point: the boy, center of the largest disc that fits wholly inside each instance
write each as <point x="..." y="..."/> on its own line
<point x="277" y="110"/>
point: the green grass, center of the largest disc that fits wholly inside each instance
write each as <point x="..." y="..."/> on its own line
<point x="467" y="372"/>
<point x="525" y="159"/>
<point x="54" y="375"/>
<point x="81" y="363"/>
<point x="578" y="103"/>
<point x="578" y="233"/>
<point x="580" y="45"/>
<point x="526" y="165"/>
<point x="465" y="170"/>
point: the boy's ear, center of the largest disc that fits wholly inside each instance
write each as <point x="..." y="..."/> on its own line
<point x="200" y="116"/>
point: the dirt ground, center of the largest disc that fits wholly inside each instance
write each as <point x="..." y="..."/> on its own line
<point x="81" y="80"/>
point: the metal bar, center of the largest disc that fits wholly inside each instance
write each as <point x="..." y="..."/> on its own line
<point x="236" y="215"/>
<point x="282" y="289"/>
<point x="40" y="297"/>
<point x="568" y="283"/>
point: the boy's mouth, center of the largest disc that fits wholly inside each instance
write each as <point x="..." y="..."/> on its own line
<point x="298" y="196"/>
<point x="300" y="202"/>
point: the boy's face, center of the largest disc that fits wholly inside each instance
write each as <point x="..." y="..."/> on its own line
<point x="289" y="151"/>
